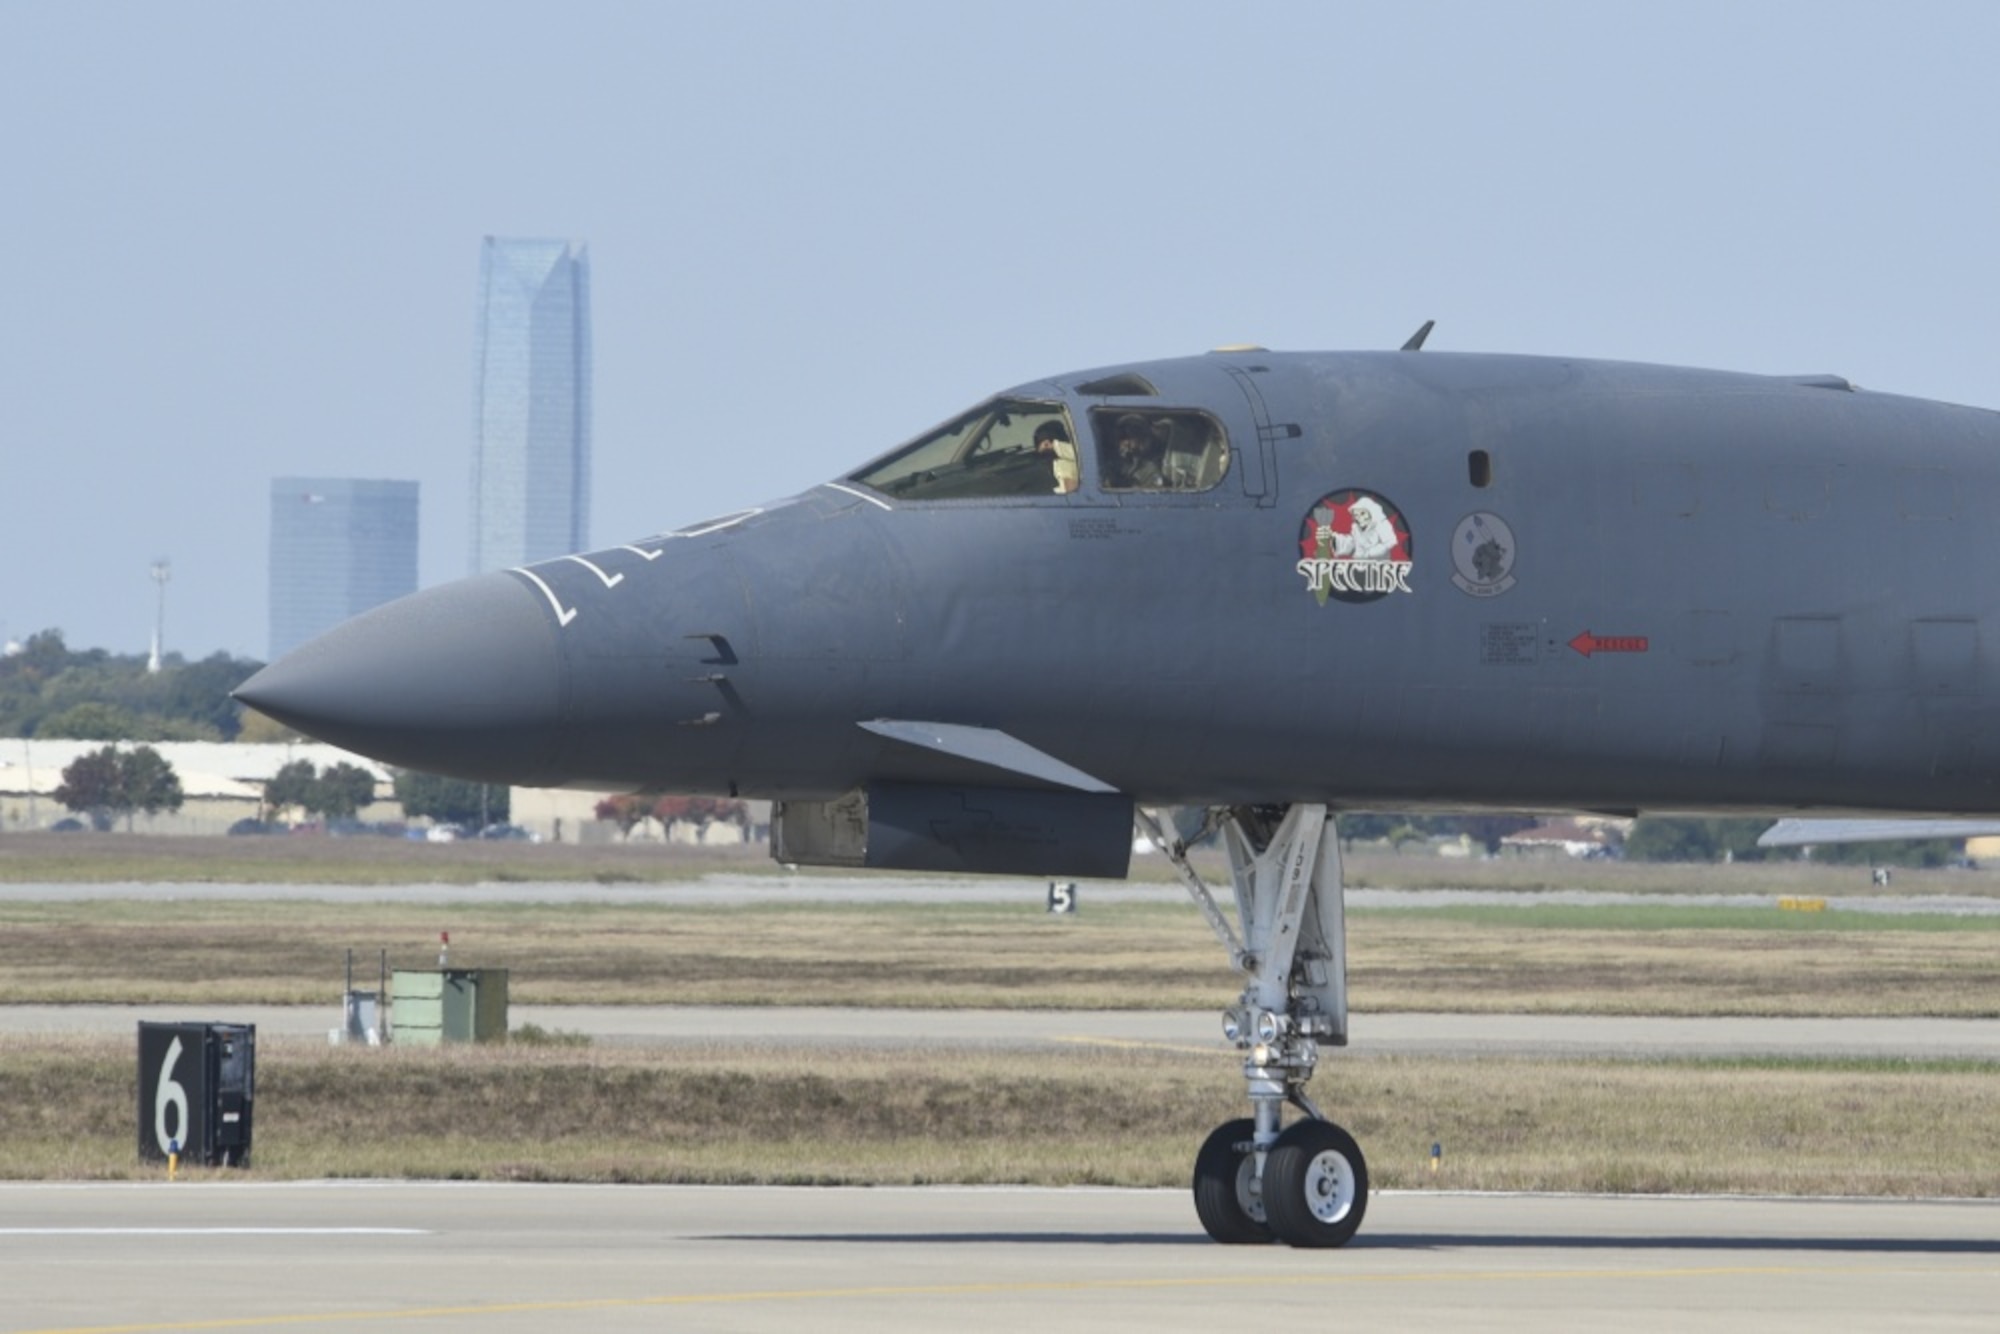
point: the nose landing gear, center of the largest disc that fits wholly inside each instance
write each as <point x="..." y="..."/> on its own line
<point x="1255" y="1179"/>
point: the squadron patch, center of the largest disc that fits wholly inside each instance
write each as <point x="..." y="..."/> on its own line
<point x="1355" y="547"/>
<point x="1482" y="555"/>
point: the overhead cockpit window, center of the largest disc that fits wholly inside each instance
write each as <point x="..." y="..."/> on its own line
<point x="1008" y="447"/>
<point x="1159" y="451"/>
<point x="1123" y="385"/>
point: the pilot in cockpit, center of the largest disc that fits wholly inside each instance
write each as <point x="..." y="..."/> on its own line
<point x="1136" y="462"/>
<point x="1053" y="443"/>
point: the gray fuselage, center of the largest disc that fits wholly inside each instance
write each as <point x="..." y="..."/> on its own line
<point x="1405" y="579"/>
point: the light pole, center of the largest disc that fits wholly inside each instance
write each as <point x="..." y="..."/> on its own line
<point x="162" y="571"/>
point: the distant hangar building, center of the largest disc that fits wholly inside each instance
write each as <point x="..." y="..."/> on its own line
<point x="339" y="546"/>
<point x="531" y="441"/>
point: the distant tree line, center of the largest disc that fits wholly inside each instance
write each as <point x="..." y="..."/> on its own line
<point x="1397" y="829"/>
<point x="336" y="792"/>
<point x="50" y="690"/>
<point x="1653" y="839"/>
<point x="339" y="791"/>
<point x="451" y="800"/>
<point x="107" y="784"/>
<point x="628" y="810"/>
<point x="1683" y="839"/>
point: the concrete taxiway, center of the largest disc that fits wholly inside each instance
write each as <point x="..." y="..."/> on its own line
<point x="737" y="890"/>
<point x="1405" y="1034"/>
<point x="448" y="1257"/>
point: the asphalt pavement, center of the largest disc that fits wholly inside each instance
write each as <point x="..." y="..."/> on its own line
<point x="464" y="1258"/>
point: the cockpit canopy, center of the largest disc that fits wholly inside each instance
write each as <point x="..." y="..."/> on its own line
<point x="1026" y="447"/>
<point x="1158" y="450"/>
<point x="1008" y="447"/>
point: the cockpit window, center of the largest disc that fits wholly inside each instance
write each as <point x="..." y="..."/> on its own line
<point x="1159" y="451"/>
<point x="1126" y="384"/>
<point x="1009" y="447"/>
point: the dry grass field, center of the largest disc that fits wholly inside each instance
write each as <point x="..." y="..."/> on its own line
<point x="1127" y="1116"/>
<point x="1614" y="960"/>
<point x="1122" y="1116"/>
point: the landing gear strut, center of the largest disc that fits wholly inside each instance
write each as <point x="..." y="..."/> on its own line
<point x="1256" y="1179"/>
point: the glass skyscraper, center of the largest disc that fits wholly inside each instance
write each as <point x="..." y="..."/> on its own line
<point x="339" y="546"/>
<point x="531" y="445"/>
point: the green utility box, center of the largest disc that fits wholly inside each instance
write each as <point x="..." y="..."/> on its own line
<point x="433" y="1005"/>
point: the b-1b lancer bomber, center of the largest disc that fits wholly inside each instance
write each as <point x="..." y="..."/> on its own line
<point x="1230" y="595"/>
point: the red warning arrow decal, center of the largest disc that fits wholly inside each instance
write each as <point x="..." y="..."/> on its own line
<point x="1588" y="643"/>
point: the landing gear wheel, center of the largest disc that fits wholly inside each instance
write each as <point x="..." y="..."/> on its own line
<point x="1315" y="1185"/>
<point x="1226" y="1194"/>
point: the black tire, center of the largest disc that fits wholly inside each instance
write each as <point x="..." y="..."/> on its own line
<point x="1315" y="1185"/>
<point x="1226" y="1197"/>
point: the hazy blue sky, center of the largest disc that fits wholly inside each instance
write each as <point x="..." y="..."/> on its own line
<point x="242" y="240"/>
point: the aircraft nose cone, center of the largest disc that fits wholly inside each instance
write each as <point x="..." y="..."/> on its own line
<point x="465" y="680"/>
